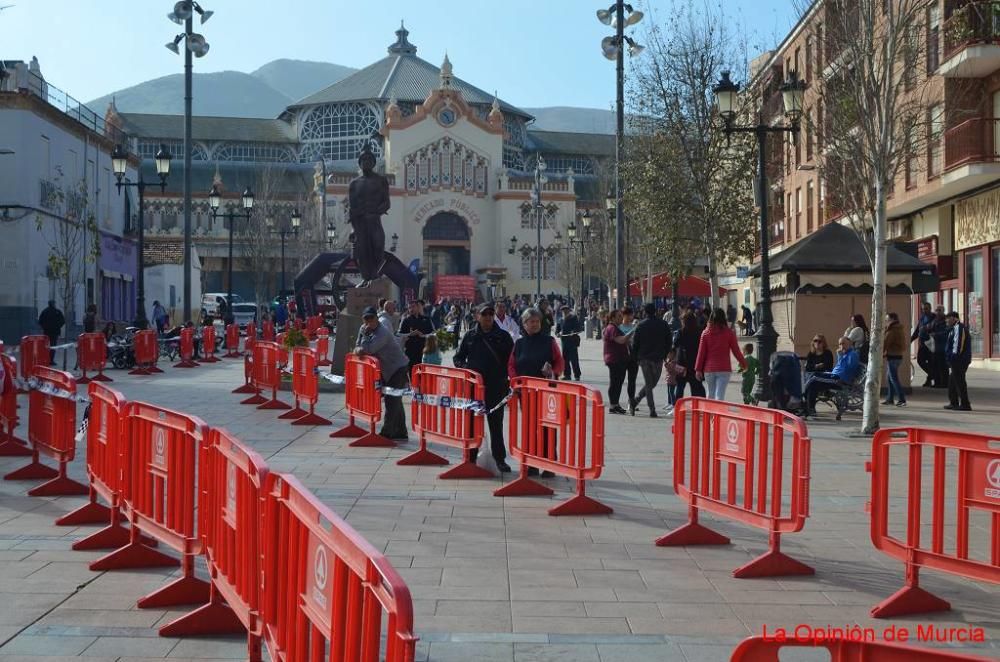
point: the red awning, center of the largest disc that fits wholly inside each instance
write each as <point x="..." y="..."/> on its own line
<point x="691" y="286"/>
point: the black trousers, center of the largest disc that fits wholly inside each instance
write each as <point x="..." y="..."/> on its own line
<point x="394" y="424"/>
<point x="571" y="355"/>
<point x="958" y="390"/>
<point x="940" y="364"/>
<point x="53" y="341"/>
<point x="697" y="387"/>
<point x="925" y="359"/>
<point x="616" y="371"/>
<point x="631" y="371"/>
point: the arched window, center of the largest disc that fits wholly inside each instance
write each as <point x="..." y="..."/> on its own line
<point x="446" y="226"/>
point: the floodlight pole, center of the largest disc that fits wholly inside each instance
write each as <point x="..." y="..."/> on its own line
<point x="620" y="283"/>
<point x="188" y="30"/>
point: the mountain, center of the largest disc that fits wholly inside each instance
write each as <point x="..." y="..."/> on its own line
<point x="577" y="120"/>
<point x="297" y="79"/>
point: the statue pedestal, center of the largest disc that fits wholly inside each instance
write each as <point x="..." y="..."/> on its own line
<point x="349" y="319"/>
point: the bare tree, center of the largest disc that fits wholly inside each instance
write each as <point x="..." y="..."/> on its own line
<point x="272" y="211"/>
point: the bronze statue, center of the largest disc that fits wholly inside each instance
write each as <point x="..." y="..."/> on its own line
<point x="369" y="200"/>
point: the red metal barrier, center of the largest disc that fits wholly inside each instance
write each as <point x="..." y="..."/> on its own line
<point x="312" y="325"/>
<point x="305" y="387"/>
<point x="323" y="347"/>
<point x="328" y="594"/>
<point x="267" y="332"/>
<point x="51" y="432"/>
<point x="363" y="401"/>
<point x="251" y="334"/>
<point x="282" y="350"/>
<point x="761" y="649"/>
<point x="266" y="376"/>
<point x="232" y="342"/>
<point x="230" y="514"/>
<point x="729" y="460"/>
<point x="92" y="354"/>
<point x="10" y="445"/>
<point x="164" y="452"/>
<point x="458" y="428"/>
<point x="247" y="387"/>
<point x="147" y="352"/>
<point x="34" y="352"/>
<point x="186" y="349"/>
<point x="965" y="472"/>
<point x="208" y="345"/>
<point x="558" y="427"/>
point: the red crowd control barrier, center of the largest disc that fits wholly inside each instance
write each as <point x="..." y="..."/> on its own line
<point x="251" y="334"/>
<point x="363" y="401"/>
<point x="52" y="432"/>
<point x="208" y="345"/>
<point x="729" y="460"/>
<point x="232" y="342"/>
<point x="247" y="387"/>
<point x="164" y="452"/>
<point x="266" y="376"/>
<point x="147" y="351"/>
<point x="230" y="515"/>
<point x="305" y="388"/>
<point x="267" y="331"/>
<point x="558" y="427"/>
<point x="312" y="325"/>
<point x="965" y="474"/>
<point x="761" y="649"/>
<point x="34" y="352"/>
<point x="323" y="347"/>
<point x="458" y="428"/>
<point x="282" y="349"/>
<point x="92" y="354"/>
<point x="332" y="593"/>
<point x="10" y="445"/>
<point x="186" y="349"/>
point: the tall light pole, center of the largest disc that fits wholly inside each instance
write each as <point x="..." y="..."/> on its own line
<point x="613" y="49"/>
<point x="540" y="181"/>
<point x="195" y="44"/>
<point x="283" y="232"/>
<point x="726" y="96"/>
<point x="119" y="162"/>
<point x="214" y="201"/>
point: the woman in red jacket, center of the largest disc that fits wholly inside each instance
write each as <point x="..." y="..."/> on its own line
<point x="718" y="341"/>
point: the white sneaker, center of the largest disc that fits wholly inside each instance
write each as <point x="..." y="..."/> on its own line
<point x="668" y="411"/>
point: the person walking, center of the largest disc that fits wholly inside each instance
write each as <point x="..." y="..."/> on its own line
<point x="687" y="340"/>
<point x="616" y="358"/>
<point x="651" y="342"/>
<point x="748" y="329"/>
<point x="939" y="339"/>
<point x="749" y="374"/>
<point x="52" y="321"/>
<point x="387" y="317"/>
<point x="627" y="326"/>
<point x="893" y="350"/>
<point x="415" y="327"/>
<point x="486" y="349"/>
<point x="922" y="334"/>
<point x="90" y="319"/>
<point x="569" y="337"/>
<point x="160" y="317"/>
<point x="959" y="355"/>
<point x="375" y="340"/>
<point x="712" y="363"/>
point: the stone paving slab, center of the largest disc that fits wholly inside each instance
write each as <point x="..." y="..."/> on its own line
<point x="497" y="579"/>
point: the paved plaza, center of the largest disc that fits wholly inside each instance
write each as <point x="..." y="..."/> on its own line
<point x="497" y="579"/>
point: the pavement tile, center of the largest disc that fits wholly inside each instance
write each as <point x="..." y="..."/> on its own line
<point x="44" y="645"/>
<point x="556" y="652"/>
<point x="134" y="646"/>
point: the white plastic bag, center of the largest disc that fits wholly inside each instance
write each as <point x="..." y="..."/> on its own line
<point x="485" y="461"/>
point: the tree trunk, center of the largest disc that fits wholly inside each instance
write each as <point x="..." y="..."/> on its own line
<point x="713" y="278"/>
<point x="873" y="381"/>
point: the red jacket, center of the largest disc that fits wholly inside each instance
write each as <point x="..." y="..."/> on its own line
<point x="713" y="352"/>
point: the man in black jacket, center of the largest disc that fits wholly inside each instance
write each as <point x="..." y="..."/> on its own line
<point x="52" y="321"/>
<point x="486" y="349"/>
<point x="415" y="328"/>
<point x="569" y="331"/>
<point x="651" y="343"/>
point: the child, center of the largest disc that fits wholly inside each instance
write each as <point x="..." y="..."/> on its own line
<point x="673" y="371"/>
<point x="749" y="374"/>
<point x="431" y="353"/>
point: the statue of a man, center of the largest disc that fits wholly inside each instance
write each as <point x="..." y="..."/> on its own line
<point x="369" y="200"/>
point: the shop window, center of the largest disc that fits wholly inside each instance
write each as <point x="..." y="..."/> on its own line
<point x="995" y="302"/>
<point x="974" y="304"/>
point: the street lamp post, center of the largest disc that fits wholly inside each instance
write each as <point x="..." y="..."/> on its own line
<point x="540" y="180"/>
<point x="119" y="162"/>
<point x="214" y="201"/>
<point x="283" y="233"/>
<point x="726" y="94"/>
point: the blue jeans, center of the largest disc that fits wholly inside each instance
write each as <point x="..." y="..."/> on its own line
<point x="895" y="388"/>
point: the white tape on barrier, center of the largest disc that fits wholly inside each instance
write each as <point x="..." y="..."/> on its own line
<point x="35" y="384"/>
<point x="477" y="407"/>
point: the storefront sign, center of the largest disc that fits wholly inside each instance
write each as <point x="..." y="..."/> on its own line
<point x="977" y="220"/>
<point x="453" y="204"/>
<point x="117" y="255"/>
<point x="927" y="249"/>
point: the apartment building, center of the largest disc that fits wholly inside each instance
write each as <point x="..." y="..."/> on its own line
<point x="944" y="206"/>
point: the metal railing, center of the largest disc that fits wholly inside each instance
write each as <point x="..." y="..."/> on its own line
<point x="972" y="141"/>
<point x="977" y="22"/>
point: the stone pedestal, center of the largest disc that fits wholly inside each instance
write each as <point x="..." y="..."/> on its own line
<point x="349" y="319"/>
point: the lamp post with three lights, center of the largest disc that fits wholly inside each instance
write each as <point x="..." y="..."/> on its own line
<point x="214" y="201"/>
<point x="284" y="232"/>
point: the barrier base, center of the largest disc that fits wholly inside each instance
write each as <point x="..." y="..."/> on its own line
<point x="255" y="400"/>
<point x="61" y="485"/>
<point x="214" y="618"/>
<point x="181" y="591"/>
<point x="581" y="504"/>
<point x="274" y="403"/>
<point x="909" y="600"/>
<point x="154" y="370"/>
<point x="110" y="537"/>
<point x="691" y="533"/>
<point x="139" y="371"/>
<point x="246" y="388"/>
<point x="372" y="440"/>
<point x="134" y="555"/>
<point x="84" y="380"/>
<point x="186" y="363"/>
<point x="423" y="457"/>
<point x="773" y="563"/>
<point x="210" y="359"/>
<point x="349" y="430"/>
<point x="292" y="414"/>
<point x="34" y="471"/>
<point x="466" y="470"/>
<point x="14" y="447"/>
<point x="311" y="418"/>
<point x="101" y="377"/>
<point x="89" y="513"/>
<point x="523" y="486"/>
<point x="232" y="354"/>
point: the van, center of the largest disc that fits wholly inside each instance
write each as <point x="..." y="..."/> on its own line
<point x="210" y="302"/>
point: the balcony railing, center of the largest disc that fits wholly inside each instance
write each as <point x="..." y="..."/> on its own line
<point x="972" y="141"/>
<point x="975" y="23"/>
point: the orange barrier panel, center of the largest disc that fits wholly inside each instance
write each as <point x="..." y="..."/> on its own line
<point x="232" y="342"/>
<point x="10" y="445"/>
<point x="251" y="334"/>
<point x="312" y="325"/>
<point x="323" y="347"/>
<point x="92" y="354"/>
<point x="247" y="376"/>
<point x="208" y="345"/>
<point x="186" y="349"/>
<point x="267" y="331"/>
<point x="266" y="376"/>
<point x="363" y="399"/>
<point x="34" y="352"/>
<point x="558" y="427"/>
<point x="435" y="388"/>
<point x="729" y="460"/>
<point x="328" y="594"/>
<point x="52" y="432"/>
<point x="760" y="649"/>
<point x="147" y="352"/>
<point x="230" y="515"/>
<point x="305" y="387"/>
<point x="164" y="452"/>
<point x="965" y="473"/>
<point x="282" y="350"/>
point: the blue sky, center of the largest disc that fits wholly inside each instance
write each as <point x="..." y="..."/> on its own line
<point x="533" y="52"/>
